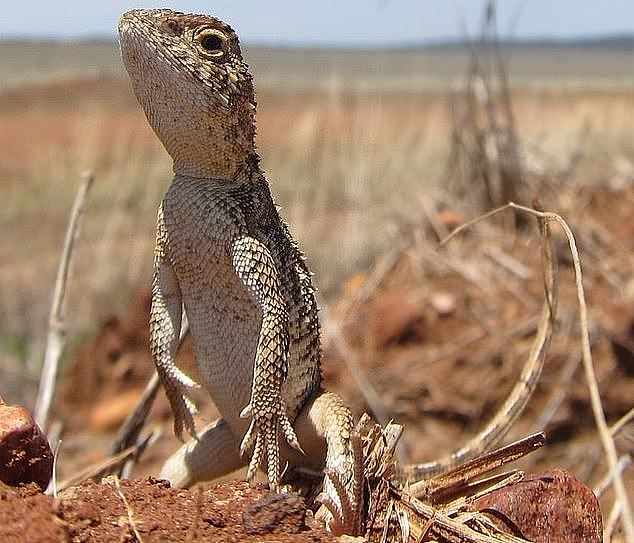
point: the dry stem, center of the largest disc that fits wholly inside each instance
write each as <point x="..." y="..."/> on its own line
<point x="593" y="387"/>
<point x="56" y="337"/>
<point x="128" y="510"/>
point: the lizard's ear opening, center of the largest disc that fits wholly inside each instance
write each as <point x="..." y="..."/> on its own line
<point x="211" y="43"/>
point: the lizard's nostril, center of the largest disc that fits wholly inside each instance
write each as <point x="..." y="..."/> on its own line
<point x="173" y="27"/>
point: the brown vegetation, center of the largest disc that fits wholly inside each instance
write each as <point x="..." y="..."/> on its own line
<point x="361" y="175"/>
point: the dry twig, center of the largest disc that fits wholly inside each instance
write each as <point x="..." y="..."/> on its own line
<point x="595" y="398"/>
<point x="56" y="337"/>
<point x="128" y="510"/>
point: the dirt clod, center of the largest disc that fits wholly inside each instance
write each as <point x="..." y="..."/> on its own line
<point x="275" y="513"/>
<point x="25" y="516"/>
<point x="552" y="506"/>
<point x="150" y="510"/>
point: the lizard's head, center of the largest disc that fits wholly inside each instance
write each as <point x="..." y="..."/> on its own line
<point x="188" y="74"/>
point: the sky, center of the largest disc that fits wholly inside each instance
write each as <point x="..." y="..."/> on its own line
<point x="332" y="22"/>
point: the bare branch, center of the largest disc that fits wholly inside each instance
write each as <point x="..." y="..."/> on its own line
<point x="56" y="337"/>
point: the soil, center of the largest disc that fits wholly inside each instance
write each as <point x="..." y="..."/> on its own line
<point x="149" y="510"/>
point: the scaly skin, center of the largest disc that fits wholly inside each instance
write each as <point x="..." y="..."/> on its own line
<point x="224" y="253"/>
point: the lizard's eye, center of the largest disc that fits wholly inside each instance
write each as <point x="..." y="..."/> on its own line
<point x="212" y="43"/>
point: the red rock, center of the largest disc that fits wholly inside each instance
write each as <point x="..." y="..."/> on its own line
<point x="553" y="506"/>
<point x="25" y="454"/>
<point x="394" y="319"/>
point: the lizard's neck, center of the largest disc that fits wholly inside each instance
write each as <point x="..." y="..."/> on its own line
<point x="206" y="152"/>
<point x="245" y="173"/>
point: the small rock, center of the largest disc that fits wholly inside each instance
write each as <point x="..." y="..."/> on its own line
<point x="552" y="506"/>
<point x="394" y="319"/>
<point x="215" y="518"/>
<point x="443" y="303"/>
<point x="25" y="454"/>
<point x="275" y="513"/>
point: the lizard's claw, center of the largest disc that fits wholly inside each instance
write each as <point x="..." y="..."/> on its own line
<point x="176" y="384"/>
<point x="262" y="435"/>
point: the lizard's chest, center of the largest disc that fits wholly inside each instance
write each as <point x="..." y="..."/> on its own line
<point x="224" y="320"/>
<point x="225" y="325"/>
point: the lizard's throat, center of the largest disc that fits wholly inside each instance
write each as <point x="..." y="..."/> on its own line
<point x="210" y="151"/>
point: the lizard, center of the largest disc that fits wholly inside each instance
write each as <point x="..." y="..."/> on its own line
<point x="225" y="256"/>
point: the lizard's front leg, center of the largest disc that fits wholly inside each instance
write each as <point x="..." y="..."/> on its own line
<point x="165" y="325"/>
<point x="256" y="268"/>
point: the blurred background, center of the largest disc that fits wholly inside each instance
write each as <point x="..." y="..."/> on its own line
<point x="382" y="125"/>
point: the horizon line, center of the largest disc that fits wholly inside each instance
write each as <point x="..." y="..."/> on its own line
<point x="615" y="38"/>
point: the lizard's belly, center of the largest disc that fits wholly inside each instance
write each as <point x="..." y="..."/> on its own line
<point x="225" y="326"/>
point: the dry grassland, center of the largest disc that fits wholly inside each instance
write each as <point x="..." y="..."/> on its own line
<point x="357" y="147"/>
<point x="348" y="164"/>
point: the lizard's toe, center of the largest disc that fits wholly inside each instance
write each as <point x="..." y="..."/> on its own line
<point x="264" y="432"/>
<point x="184" y="410"/>
<point x="266" y="446"/>
<point x="256" y="457"/>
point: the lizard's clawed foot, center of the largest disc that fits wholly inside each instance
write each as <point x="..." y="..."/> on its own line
<point x="262" y="435"/>
<point x="176" y="384"/>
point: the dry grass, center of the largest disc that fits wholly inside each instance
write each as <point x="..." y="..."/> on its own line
<point x="348" y="167"/>
<point x="352" y="165"/>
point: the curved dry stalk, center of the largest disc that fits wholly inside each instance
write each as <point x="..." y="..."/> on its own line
<point x="499" y="425"/>
<point x="56" y="337"/>
<point x="593" y="387"/>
